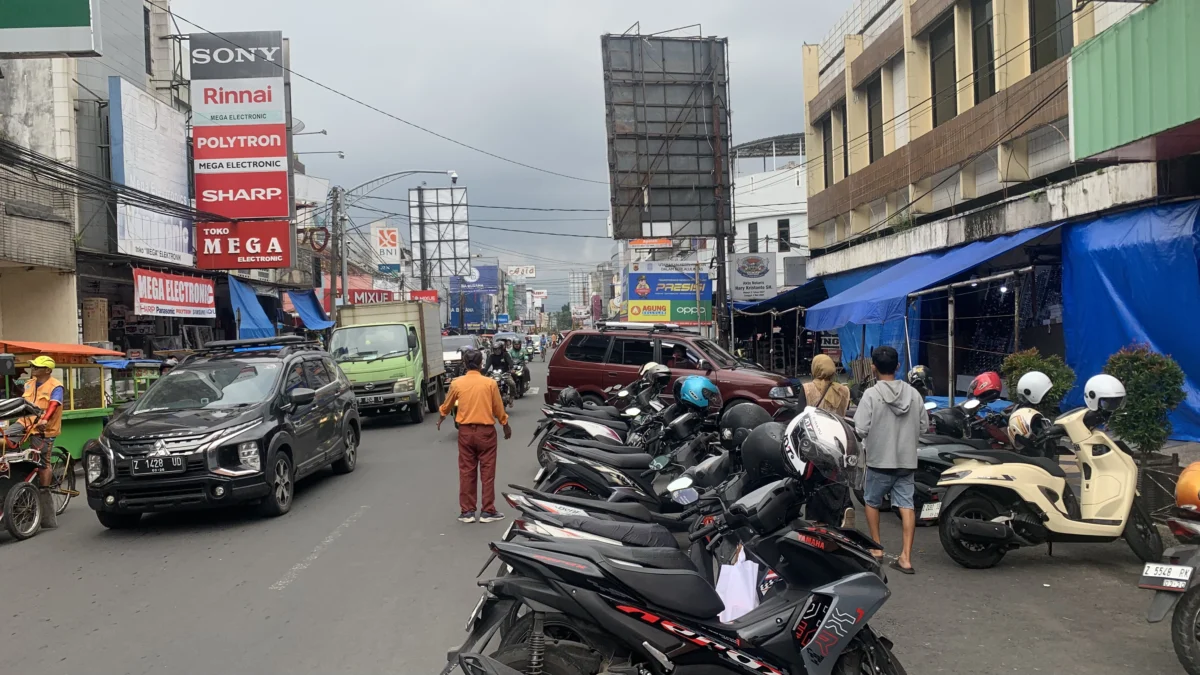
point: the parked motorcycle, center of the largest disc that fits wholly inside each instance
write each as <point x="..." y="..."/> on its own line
<point x="649" y="610"/>
<point x="1174" y="580"/>
<point x="998" y="500"/>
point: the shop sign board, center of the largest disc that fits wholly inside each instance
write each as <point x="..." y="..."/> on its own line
<point x="239" y="119"/>
<point x="385" y="238"/>
<point x="244" y="245"/>
<point x="45" y="28"/>
<point x="162" y="294"/>
<point x="501" y="319"/>
<point x="752" y="276"/>
<point x="149" y="153"/>
<point x="649" y="244"/>
<point x="371" y="296"/>
<point x="541" y="294"/>
<point x="481" y="279"/>
<point x="427" y="296"/>
<point x="668" y="286"/>
<point x="522" y="271"/>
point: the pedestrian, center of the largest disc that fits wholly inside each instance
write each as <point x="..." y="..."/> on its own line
<point x="891" y="417"/>
<point x="479" y="408"/>
<point x="830" y="503"/>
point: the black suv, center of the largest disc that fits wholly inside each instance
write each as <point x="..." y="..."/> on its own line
<point x="240" y="421"/>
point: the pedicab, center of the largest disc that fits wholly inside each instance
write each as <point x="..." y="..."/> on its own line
<point x="20" y="505"/>
<point x="86" y="403"/>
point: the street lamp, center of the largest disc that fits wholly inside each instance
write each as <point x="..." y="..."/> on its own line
<point x="339" y="153"/>
<point x="311" y="133"/>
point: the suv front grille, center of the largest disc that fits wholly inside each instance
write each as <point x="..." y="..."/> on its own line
<point x="173" y="446"/>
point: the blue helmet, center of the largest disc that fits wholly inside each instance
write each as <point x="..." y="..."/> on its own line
<point x="699" y="392"/>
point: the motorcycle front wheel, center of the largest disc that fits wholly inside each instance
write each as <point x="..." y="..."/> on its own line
<point x="1185" y="624"/>
<point x="1142" y="534"/>
<point x="871" y="657"/>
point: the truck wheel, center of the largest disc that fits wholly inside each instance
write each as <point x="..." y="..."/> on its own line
<point x="416" y="413"/>
<point x="436" y="396"/>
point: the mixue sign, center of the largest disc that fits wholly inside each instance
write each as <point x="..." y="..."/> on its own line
<point x="240" y="148"/>
<point x="161" y="294"/>
<point x="370" y="296"/>
<point x="243" y="245"/>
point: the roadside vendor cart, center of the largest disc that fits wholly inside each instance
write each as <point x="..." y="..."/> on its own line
<point x="128" y="379"/>
<point x="86" y="403"/>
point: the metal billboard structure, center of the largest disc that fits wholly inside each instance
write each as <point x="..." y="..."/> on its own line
<point x="438" y="230"/>
<point x="667" y="118"/>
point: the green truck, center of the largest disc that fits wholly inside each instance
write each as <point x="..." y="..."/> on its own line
<point x="392" y="353"/>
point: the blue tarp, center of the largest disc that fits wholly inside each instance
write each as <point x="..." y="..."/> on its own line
<point x="1134" y="277"/>
<point x="884" y="297"/>
<point x="311" y="313"/>
<point x="121" y="364"/>
<point x="801" y="296"/>
<point x="888" y="333"/>
<point x="252" y="321"/>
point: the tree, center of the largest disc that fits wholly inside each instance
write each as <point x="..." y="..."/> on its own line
<point x="564" y="318"/>
<point x="1061" y="376"/>
<point x="1153" y="387"/>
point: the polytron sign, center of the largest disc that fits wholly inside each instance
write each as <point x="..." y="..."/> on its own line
<point x="240" y="138"/>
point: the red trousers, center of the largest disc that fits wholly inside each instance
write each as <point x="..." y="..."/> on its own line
<point x="476" y="448"/>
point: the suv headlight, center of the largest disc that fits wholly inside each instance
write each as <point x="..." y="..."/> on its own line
<point x="404" y="384"/>
<point x="95" y="468"/>
<point x="248" y="455"/>
<point x="781" y="392"/>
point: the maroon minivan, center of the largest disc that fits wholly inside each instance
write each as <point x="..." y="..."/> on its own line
<point x="591" y="360"/>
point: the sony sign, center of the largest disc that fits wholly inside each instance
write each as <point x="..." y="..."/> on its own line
<point x="237" y="55"/>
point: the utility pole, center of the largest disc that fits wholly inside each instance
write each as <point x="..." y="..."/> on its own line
<point x="335" y="215"/>
<point x="421" y="232"/>
<point x="719" y="299"/>
<point x="345" y="257"/>
<point x="462" y="310"/>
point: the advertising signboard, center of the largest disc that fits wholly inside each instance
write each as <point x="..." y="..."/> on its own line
<point x="239" y="120"/>
<point x="244" y="245"/>
<point x="540" y="294"/>
<point x="438" y="231"/>
<point x="522" y="271"/>
<point x="669" y="296"/>
<point x="427" y="296"/>
<point x="502" y="319"/>
<point x="149" y="153"/>
<point x="43" y="28"/>
<point x="474" y="310"/>
<point x="645" y="244"/>
<point x="752" y="276"/>
<point x="385" y="238"/>
<point x="795" y="271"/>
<point x="370" y="296"/>
<point x="481" y="279"/>
<point x="162" y="294"/>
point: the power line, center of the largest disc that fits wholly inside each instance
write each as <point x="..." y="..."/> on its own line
<point x="472" y="224"/>
<point x="385" y="113"/>
<point x="485" y="206"/>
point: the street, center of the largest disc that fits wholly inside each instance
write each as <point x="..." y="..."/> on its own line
<point x="370" y="573"/>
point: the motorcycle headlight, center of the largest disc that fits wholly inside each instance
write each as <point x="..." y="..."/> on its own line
<point x="95" y="468"/>
<point x="781" y="392"/>
<point x="248" y="455"/>
<point x="404" y="384"/>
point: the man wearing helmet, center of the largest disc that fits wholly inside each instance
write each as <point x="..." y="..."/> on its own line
<point x="891" y="417"/>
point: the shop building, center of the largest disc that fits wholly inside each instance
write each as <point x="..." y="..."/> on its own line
<point x="977" y="168"/>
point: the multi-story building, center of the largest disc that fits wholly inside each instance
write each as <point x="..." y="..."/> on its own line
<point x="950" y="141"/>
<point x="770" y="207"/>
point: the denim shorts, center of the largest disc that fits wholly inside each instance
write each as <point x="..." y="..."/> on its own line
<point x="899" y="483"/>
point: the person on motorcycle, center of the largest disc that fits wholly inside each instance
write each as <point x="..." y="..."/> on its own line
<point x="501" y="361"/>
<point x="518" y="356"/>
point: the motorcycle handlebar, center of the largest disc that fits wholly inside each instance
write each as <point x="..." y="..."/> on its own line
<point x="703" y="532"/>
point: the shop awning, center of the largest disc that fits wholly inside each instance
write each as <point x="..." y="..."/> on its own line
<point x="807" y="295"/>
<point x="883" y="297"/>
<point x="252" y="321"/>
<point x="52" y="348"/>
<point x="311" y="314"/>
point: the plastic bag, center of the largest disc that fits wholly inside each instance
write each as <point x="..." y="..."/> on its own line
<point x="737" y="584"/>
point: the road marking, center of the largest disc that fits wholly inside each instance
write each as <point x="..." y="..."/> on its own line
<point x="316" y="552"/>
<point x="533" y="391"/>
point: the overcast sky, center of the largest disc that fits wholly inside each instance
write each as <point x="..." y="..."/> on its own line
<point x="518" y="78"/>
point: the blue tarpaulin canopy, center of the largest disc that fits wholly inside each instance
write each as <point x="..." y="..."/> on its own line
<point x="252" y="321"/>
<point x="1134" y="278"/>
<point x="311" y="313"/>
<point x="801" y="296"/>
<point x="883" y="297"/>
<point x="121" y="364"/>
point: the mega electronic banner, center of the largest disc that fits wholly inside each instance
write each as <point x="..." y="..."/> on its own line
<point x="240" y="145"/>
<point x="662" y="297"/>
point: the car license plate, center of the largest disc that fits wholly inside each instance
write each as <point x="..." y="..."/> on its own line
<point x="1165" y="577"/>
<point x="541" y="472"/>
<point x="371" y="399"/>
<point x="151" y="466"/>
<point x="931" y="510"/>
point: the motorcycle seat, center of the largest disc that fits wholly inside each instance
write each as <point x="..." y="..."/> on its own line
<point x="610" y="410"/>
<point x="1005" y="457"/>
<point x="615" y="425"/>
<point x="663" y="576"/>
<point x="606" y="446"/>
<point x="621" y="461"/>
<point x="633" y="534"/>
<point x="596" y="413"/>
<point x="939" y="439"/>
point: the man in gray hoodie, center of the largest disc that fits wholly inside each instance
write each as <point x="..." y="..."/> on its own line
<point x="892" y="417"/>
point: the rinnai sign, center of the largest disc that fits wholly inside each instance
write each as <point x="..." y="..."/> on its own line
<point x="240" y="145"/>
<point x="161" y="294"/>
<point x="244" y="245"/>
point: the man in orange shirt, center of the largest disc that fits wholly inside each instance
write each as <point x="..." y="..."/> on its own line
<point x="479" y="408"/>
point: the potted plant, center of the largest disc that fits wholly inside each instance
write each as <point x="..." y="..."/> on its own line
<point x="1061" y="375"/>
<point x="1153" y="388"/>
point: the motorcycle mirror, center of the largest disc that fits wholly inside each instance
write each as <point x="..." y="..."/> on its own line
<point x="930" y="405"/>
<point x="659" y="463"/>
<point x="681" y="483"/>
<point x="631" y="411"/>
<point x="685" y="496"/>
<point x="971" y="404"/>
<point x="623" y="393"/>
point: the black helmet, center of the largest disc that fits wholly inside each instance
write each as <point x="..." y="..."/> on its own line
<point x="921" y="380"/>
<point x="570" y="398"/>
<point x="739" y="420"/>
<point x="762" y="455"/>
<point x="472" y="359"/>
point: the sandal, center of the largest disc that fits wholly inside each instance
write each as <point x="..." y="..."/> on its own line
<point x="895" y="564"/>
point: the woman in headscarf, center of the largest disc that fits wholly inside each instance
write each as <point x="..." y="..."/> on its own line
<point x="823" y="392"/>
<point x="831" y="503"/>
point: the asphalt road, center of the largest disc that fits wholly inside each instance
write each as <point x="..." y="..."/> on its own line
<point x="370" y="573"/>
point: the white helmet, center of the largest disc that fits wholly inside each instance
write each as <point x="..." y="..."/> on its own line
<point x="646" y="369"/>
<point x="1104" y="392"/>
<point x="1034" y="386"/>
<point x="1022" y="424"/>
